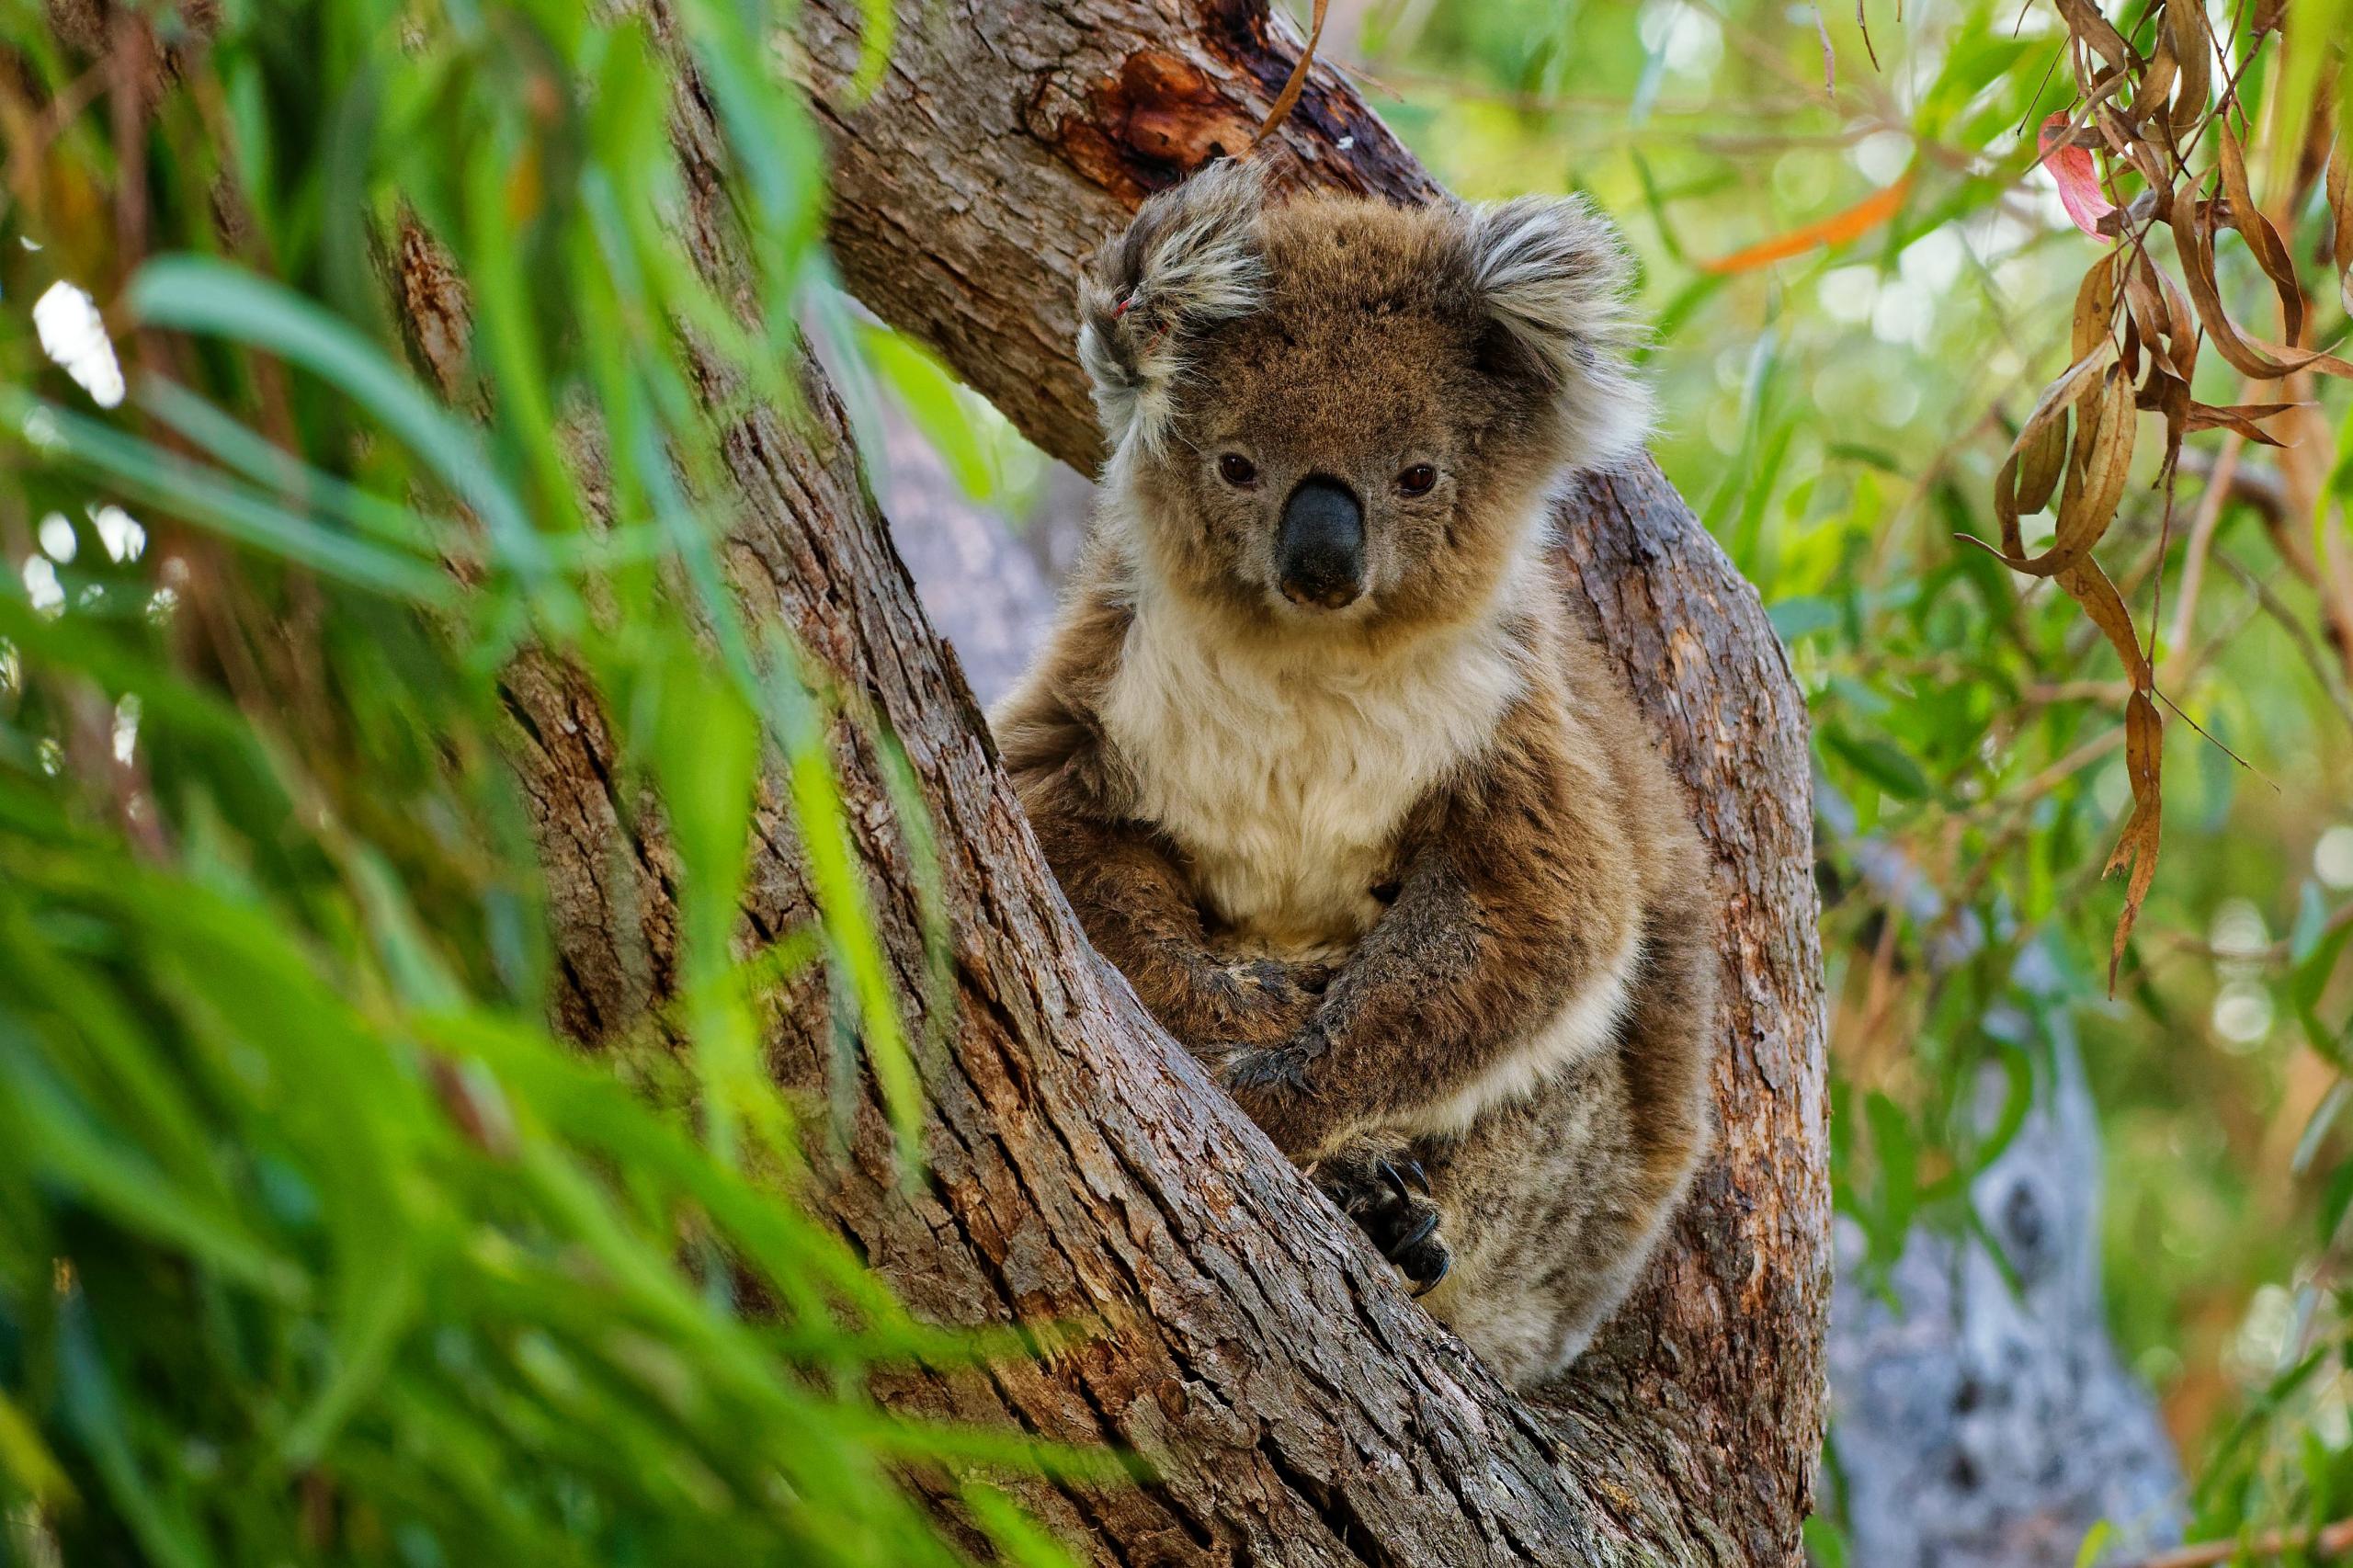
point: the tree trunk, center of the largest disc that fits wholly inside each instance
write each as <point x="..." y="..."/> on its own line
<point x="1295" y="1404"/>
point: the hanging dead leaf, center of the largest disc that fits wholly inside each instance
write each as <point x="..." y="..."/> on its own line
<point x="2095" y="318"/>
<point x="2145" y="300"/>
<point x="2243" y="417"/>
<point x="2153" y="99"/>
<point x="2070" y="166"/>
<point x="2186" y="33"/>
<point x="2167" y="395"/>
<point x="2095" y="32"/>
<point x="1280" y="110"/>
<point x="2040" y="459"/>
<point x="2090" y="588"/>
<point x="2019" y="489"/>
<point x="2096" y="470"/>
<point x="2271" y="254"/>
<point x="2193" y="226"/>
<point x="2096" y="473"/>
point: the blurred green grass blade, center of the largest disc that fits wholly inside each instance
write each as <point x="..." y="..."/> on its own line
<point x="237" y="447"/>
<point x="113" y="1173"/>
<point x="1018" y="1538"/>
<point x="95" y="1410"/>
<point x="377" y="1305"/>
<point x="934" y="401"/>
<point x="198" y="294"/>
<point x="32" y="1469"/>
<point x="152" y="477"/>
<point x="706" y="755"/>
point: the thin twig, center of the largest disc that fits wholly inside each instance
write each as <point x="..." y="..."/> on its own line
<point x="2329" y="1539"/>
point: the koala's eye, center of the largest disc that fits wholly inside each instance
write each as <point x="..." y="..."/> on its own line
<point x="1237" y="470"/>
<point x="1417" y="480"/>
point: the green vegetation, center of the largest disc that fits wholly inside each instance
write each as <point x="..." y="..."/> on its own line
<point x="315" y="1243"/>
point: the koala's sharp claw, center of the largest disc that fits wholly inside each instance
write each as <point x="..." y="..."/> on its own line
<point x="1417" y="1177"/>
<point x="1445" y="1262"/>
<point x="1420" y="1234"/>
<point x="1397" y="1183"/>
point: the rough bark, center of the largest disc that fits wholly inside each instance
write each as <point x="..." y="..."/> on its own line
<point x="1298" y="1407"/>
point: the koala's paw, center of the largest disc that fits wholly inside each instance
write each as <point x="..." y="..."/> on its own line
<point x="1377" y="1182"/>
<point x="1276" y="1067"/>
<point x="1264" y="1000"/>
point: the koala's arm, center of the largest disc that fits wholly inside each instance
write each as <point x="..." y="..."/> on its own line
<point x="1137" y="907"/>
<point x="1519" y="905"/>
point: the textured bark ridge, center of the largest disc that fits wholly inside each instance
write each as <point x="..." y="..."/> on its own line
<point x="1298" y="1408"/>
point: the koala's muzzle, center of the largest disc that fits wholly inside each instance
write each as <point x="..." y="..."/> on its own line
<point x="1319" y="552"/>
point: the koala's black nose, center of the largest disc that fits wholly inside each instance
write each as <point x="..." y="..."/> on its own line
<point x="1320" y="553"/>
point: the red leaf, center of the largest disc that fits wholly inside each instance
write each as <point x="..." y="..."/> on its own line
<point x="2079" y="190"/>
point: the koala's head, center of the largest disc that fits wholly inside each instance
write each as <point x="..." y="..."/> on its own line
<point x="1329" y="409"/>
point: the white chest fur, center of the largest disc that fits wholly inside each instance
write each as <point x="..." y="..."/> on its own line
<point x="1286" y="781"/>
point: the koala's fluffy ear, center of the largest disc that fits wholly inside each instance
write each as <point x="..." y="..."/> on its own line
<point x="1191" y="257"/>
<point x="1552" y="277"/>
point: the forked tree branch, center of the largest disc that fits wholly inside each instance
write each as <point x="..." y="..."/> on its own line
<point x="1296" y="1406"/>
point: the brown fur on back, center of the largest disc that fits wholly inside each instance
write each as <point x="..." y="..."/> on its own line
<point x="1409" y="873"/>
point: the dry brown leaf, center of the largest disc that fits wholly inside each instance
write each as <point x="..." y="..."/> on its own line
<point x="2145" y="301"/>
<point x="2193" y="225"/>
<point x="2186" y="31"/>
<point x="2097" y="33"/>
<point x="2243" y="417"/>
<point x="2090" y="588"/>
<point x="1280" y="110"/>
<point x="2152" y="101"/>
<point x="2041" y="456"/>
<point x="2094" y="308"/>
<point x="2186" y="337"/>
<point x="2047" y="423"/>
<point x="2169" y="395"/>
<point x="2270" y="254"/>
<point x="2096" y="475"/>
<point x="2136" y="845"/>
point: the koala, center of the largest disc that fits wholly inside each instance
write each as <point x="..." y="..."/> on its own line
<point x="1329" y="771"/>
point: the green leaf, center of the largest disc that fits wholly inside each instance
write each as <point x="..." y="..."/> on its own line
<point x="198" y="294"/>
<point x="1880" y="761"/>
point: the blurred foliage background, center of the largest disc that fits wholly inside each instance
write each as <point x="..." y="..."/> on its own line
<point x="269" y="964"/>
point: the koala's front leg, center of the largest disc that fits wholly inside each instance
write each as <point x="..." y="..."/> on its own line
<point x="1516" y="911"/>
<point x="1136" y="907"/>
